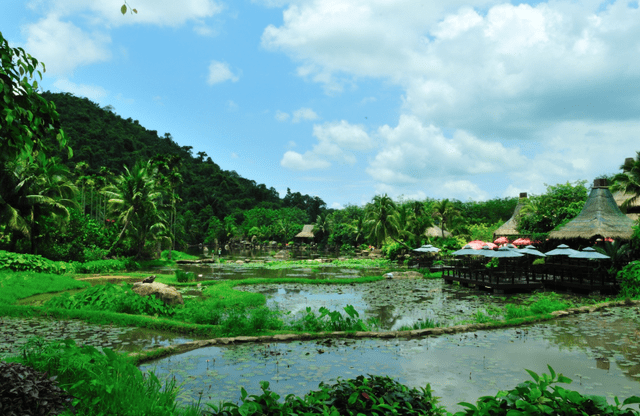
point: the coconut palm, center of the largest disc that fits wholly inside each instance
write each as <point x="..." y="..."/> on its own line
<point x="135" y="199"/>
<point x="381" y="218"/>
<point x="628" y="182"/>
<point x="30" y="190"/>
<point x="446" y="211"/>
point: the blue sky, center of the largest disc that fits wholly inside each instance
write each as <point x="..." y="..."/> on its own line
<point x="345" y="99"/>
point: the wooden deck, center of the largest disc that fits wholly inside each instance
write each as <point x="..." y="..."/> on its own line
<point x="567" y="275"/>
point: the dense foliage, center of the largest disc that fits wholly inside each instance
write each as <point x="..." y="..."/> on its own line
<point x="543" y="397"/>
<point x="28" y="392"/>
<point x="629" y="278"/>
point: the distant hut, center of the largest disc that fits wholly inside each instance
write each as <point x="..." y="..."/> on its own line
<point x="510" y="228"/>
<point x="306" y="233"/>
<point x="436" y="231"/>
<point x="600" y="217"/>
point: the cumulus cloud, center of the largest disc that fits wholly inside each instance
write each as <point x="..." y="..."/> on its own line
<point x="92" y="92"/>
<point x="282" y="116"/>
<point x="337" y="142"/>
<point x="304" y="114"/>
<point x="62" y="46"/>
<point x="220" y="72"/>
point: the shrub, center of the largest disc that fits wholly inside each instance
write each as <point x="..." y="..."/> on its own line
<point x="106" y="266"/>
<point x="32" y="263"/>
<point x="542" y="397"/>
<point x="629" y="279"/>
<point x="370" y="395"/>
<point x="25" y="391"/>
<point x="182" y="276"/>
<point x="109" y="297"/>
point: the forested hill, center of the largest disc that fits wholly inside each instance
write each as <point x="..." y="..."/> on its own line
<point x="107" y="142"/>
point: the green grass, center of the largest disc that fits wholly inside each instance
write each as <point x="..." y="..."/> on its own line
<point x="20" y="285"/>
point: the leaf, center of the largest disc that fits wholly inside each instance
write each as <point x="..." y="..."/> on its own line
<point x="631" y="400"/>
<point x="533" y="375"/>
<point x="123" y="9"/>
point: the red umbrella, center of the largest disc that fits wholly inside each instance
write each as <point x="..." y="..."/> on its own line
<point x="491" y="245"/>
<point x="501" y="240"/>
<point x="522" y="242"/>
<point x="476" y="244"/>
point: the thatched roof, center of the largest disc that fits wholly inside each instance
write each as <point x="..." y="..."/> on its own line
<point x="511" y="226"/>
<point x="307" y="231"/>
<point x="436" y="231"/>
<point x="632" y="210"/>
<point x="600" y="217"/>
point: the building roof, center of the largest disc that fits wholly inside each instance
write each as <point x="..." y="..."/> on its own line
<point x="600" y="217"/>
<point x="307" y="231"/>
<point x="511" y="226"/>
<point x="436" y="231"/>
<point x="632" y="209"/>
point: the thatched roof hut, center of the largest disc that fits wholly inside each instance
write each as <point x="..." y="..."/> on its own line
<point x="600" y="217"/>
<point x="307" y="231"/>
<point x="632" y="210"/>
<point x="511" y="226"/>
<point x="436" y="231"/>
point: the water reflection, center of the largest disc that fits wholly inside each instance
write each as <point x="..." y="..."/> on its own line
<point x="459" y="367"/>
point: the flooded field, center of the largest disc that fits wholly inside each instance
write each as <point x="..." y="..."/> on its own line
<point x="600" y="352"/>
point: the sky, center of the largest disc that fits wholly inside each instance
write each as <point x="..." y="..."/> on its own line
<point x="347" y="99"/>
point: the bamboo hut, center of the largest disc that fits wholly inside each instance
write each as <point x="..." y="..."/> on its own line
<point x="307" y="232"/>
<point x="510" y="228"/>
<point x="436" y="231"/>
<point x="600" y="217"/>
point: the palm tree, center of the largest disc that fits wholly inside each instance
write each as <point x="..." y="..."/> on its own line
<point x="381" y="218"/>
<point x="135" y="199"/>
<point x="446" y="211"/>
<point x="31" y="190"/>
<point x="322" y="225"/>
<point x="628" y="182"/>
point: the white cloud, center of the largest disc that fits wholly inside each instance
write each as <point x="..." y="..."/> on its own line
<point x="296" y="161"/>
<point x="155" y="12"/>
<point x="92" y="92"/>
<point x="281" y="116"/>
<point x="304" y="114"/>
<point x="62" y="46"/>
<point x="337" y="142"/>
<point x="220" y="72"/>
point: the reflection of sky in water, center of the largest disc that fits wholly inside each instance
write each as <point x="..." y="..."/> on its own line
<point x="459" y="367"/>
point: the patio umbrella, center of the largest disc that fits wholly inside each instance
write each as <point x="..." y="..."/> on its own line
<point x="589" y="253"/>
<point x="504" y="252"/>
<point x="522" y="242"/>
<point x="476" y="244"/>
<point x="487" y="251"/>
<point x="531" y="250"/>
<point x="427" y="248"/>
<point x="467" y="251"/>
<point x="501" y="240"/>
<point x="562" y="250"/>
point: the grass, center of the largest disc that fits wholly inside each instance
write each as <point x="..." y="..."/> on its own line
<point x="19" y="285"/>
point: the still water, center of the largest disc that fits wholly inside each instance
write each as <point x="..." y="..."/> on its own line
<point x="599" y="351"/>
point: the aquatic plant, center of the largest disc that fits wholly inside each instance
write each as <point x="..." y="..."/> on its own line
<point x="114" y="298"/>
<point x="372" y="395"/>
<point x="332" y="321"/>
<point x="182" y="276"/>
<point x="543" y="397"/>
<point x="422" y="324"/>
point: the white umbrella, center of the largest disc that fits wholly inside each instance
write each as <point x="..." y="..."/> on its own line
<point x="531" y="250"/>
<point x="467" y="251"/>
<point x="589" y="253"/>
<point x="562" y="250"/>
<point x="427" y="248"/>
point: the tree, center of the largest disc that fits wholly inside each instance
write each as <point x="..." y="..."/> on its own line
<point x="628" y="182"/>
<point x="30" y="124"/>
<point x="381" y="218"/>
<point x="135" y="199"/>
<point x="559" y="205"/>
<point x="447" y="213"/>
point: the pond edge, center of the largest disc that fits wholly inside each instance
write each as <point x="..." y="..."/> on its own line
<point x="141" y="357"/>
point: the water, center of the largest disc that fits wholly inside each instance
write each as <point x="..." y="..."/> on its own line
<point x="590" y="349"/>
